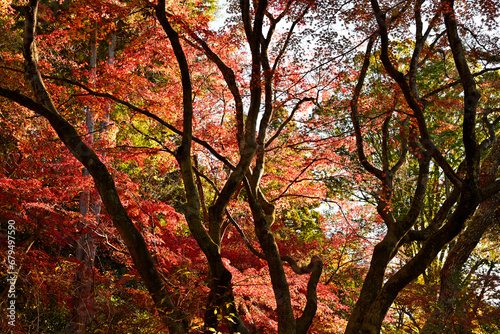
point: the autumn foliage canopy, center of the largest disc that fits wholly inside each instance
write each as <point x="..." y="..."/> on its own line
<point x="287" y="167"/>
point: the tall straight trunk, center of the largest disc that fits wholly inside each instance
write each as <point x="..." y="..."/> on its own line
<point x="83" y="299"/>
<point x="90" y="209"/>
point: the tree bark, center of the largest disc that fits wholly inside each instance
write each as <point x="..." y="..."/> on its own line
<point x="85" y="248"/>
<point x="379" y="292"/>
<point x="221" y="296"/>
<point x="132" y="238"/>
<point x="451" y="277"/>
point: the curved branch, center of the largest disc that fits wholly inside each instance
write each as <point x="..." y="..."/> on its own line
<point x="385" y="137"/>
<point x="404" y="150"/>
<point x="436" y="222"/>
<point x="289" y="33"/>
<point x="289" y="118"/>
<point x="456" y="82"/>
<point x="418" y="199"/>
<point x="221" y="294"/>
<point x="355" y="115"/>
<point x="415" y="106"/>
<point x="471" y="94"/>
<point x="305" y="320"/>
<point x="299" y="270"/>
<point x="134" y="240"/>
<point x="230" y="79"/>
<point x="147" y="114"/>
<point x="131" y="236"/>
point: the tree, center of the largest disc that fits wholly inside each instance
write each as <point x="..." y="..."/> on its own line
<point x="245" y="133"/>
<point x="379" y="290"/>
<point x="220" y="297"/>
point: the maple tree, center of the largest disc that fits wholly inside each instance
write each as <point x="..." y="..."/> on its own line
<point x="414" y="107"/>
<point x="221" y="295"/>
<point x="221" y="145"/>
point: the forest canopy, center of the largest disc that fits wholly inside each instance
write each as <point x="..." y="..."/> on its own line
<point x="206" y="166"/>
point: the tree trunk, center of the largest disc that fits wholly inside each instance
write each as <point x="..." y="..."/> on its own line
<point x="379" y="291"/>
<point x="221" y="295"/>
<point x="451" y="277"/>
<point x="90" y="208"/>
<point x="131" y="236"/>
